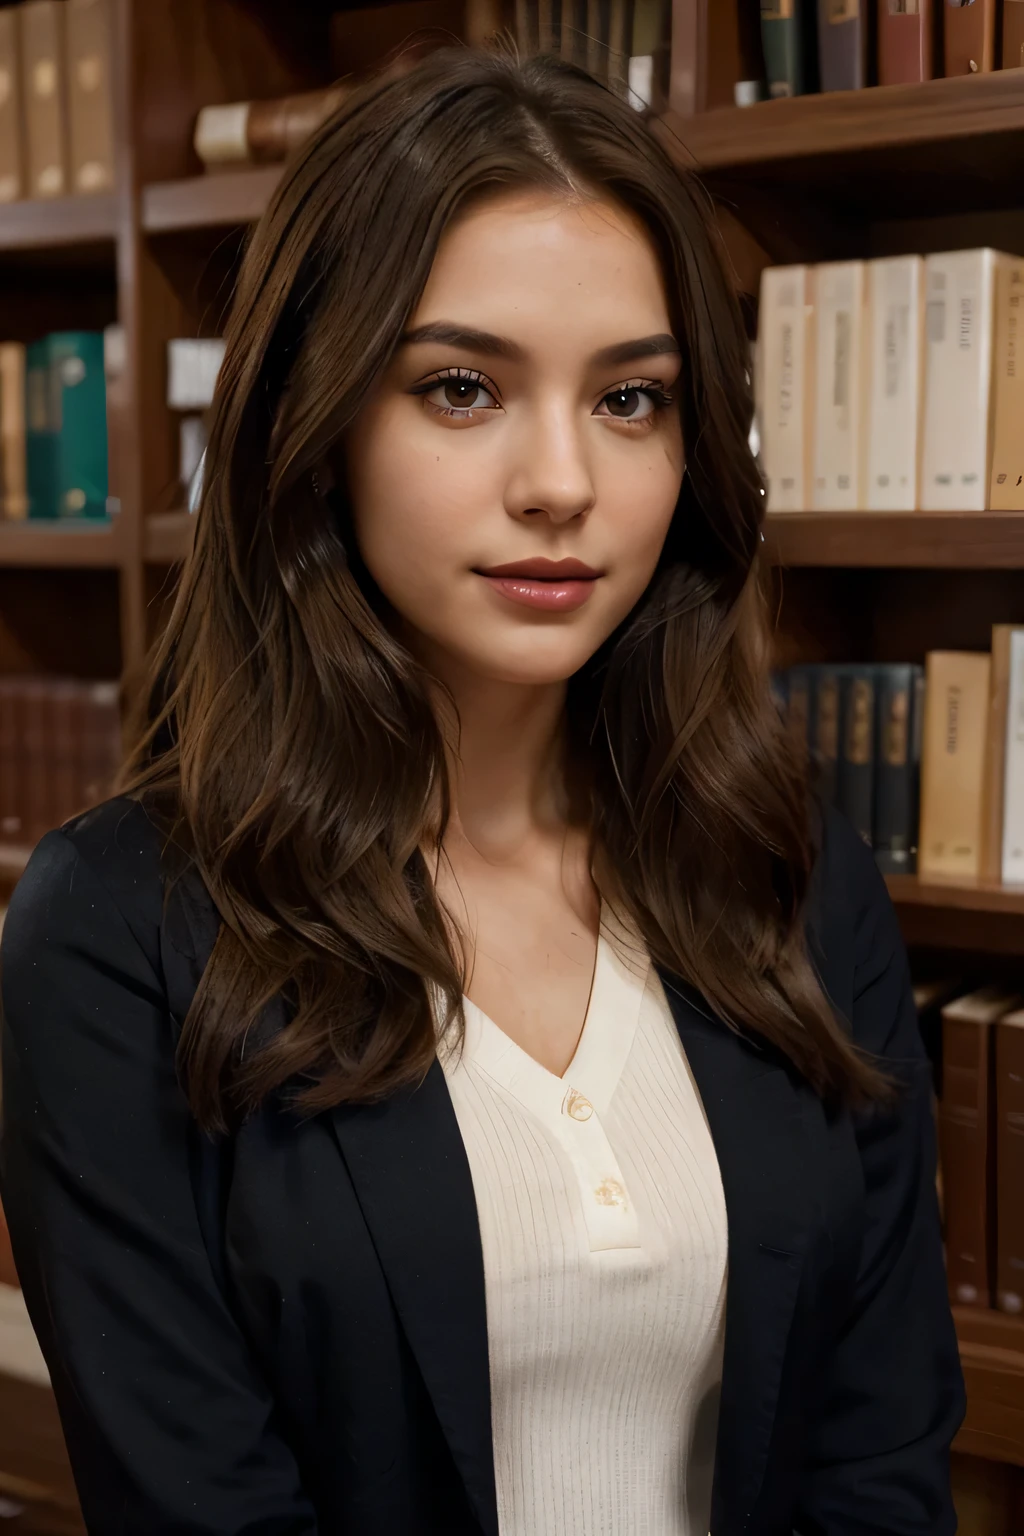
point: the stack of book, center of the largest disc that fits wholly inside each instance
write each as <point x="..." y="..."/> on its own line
<point x="60" y="745"/>
<point x="981" y="1150"/>
<point x="842" y="45"/>
<point x="862" y="728"/>
<point x="893" y="385"/>
<point x="928" y="763"/>
<point x="56" y="108"/>
<point x="53" y="427"/>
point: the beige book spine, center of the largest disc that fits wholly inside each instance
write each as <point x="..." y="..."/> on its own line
<point x="995" y="757"/>
<point x="896" y="375"/>
<point x="1013" y="772"/>
<point x="12" y="146"/>
<point x="90" y="95"/>
<point x="960" y="298"/>
<point x="841" y="379"/>
<point x="786" y="374"/>
<point x="13" y="489"/>
<point x="1007" y="485"/>
<point x="43" y="80"/>
<point x="953" y="763"/>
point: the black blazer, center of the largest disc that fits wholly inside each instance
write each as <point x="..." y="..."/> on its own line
<point x="285" y="1332"/>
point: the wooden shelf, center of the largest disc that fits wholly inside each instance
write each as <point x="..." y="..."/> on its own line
<point x="60" y="545"/>
<point x="44" y="223"/>
<point x="944" y="145"/>
<point x="979" y="896"/>
<point x="167" y="537"/>
<point x="951" y="915"/>
<point x="208" y="202"/>
<point x="12" y="862"/>
<point x="924" y="540"/>
<point x="992" y="1356"/>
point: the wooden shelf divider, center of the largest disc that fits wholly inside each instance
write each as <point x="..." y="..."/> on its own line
<point x="208" y="202"/>
<point x="921" y="540"/>
<point x="992" y="1356"/>
<point x="44" y="223"/>
<point x="961" y="109"/>
<point x="61" y="545"/>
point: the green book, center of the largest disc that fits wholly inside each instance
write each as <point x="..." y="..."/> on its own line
<point x="40" y="432"/>
<point x="788" y="35"/>
<point x="79" y="392"/>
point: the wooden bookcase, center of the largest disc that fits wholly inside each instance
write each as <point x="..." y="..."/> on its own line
<point x="875" y="172"/>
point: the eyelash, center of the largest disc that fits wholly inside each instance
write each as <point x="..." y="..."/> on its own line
<point x="660" y="397"/>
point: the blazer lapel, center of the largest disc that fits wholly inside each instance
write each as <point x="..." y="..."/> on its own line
<point x="762" y="1126"/>
<point x="408" y="1165"/>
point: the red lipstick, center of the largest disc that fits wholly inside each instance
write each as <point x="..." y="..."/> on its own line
<point x="556" y="586"/>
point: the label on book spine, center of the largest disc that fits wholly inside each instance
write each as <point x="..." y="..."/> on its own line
<point x="1013" y="792"/>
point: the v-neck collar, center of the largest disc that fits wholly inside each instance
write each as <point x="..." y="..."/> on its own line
<point x="621" y="969"/>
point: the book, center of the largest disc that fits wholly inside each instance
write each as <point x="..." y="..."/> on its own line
<point x="1013" y="772"/>
<point x="896" y="374"/>
<point x="1006" y="491"/>
<point x="843" y="44"/>
<point x="596" y="62"/>
<point x="826" y="725"/>
<point x="856" y="769"/>
<point x="11" y="830"/>
<point x="262" y="132"/>
<point x="1009" y="1109"/>
<point x="970" y="36"/>
<point x="43" y="83"/>
<point x="40" y="432"/>
<point x="953" y="763"/>
<point x="192" y="368"/>
<point x="1013" y="34"/>
<point x="483" y="20"/>
<point x="842" y="387"/>
<point x="13" y="487"/>
<point x="79" y="400"/>
<point x="785" y="372"/>
<point x="789" y="39"/>
<point x="995" y="758"/>
<point x="900" y="719"/>
<point x="967" y="1142"/>
<point x="89" y="41"/>
<point x="12" y="147"/>
<point x="647" y="70"/>
<point x="799" y="703"/>
<point x="620" y="32"/>
<point x="960" y="288"/>
<point x="906" y="41"/>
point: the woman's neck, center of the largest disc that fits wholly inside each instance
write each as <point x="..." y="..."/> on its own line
<point x="506" y="763"/>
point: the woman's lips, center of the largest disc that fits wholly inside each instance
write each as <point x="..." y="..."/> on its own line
<point x="556" y="586"/>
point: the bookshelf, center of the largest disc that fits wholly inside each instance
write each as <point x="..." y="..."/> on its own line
<point x="873" y="172"/>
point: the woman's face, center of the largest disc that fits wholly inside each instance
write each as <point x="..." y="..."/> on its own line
<point x="513" y="476"/>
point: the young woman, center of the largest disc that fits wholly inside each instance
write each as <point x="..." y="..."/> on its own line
<point x="462" y="1084"/>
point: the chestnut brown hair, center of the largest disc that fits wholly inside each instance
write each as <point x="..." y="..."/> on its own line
<point x="288" y="735"/>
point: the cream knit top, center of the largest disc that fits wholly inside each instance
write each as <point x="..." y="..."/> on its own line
<point x="603" y="1227"/>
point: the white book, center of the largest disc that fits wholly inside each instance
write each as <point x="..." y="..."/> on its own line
<point x="1013" y="790"/>
<point x="896" y="372"/>
<point x="960" y="291"/>
<point x="841" y="372"/>
<point x="784" y="377"/>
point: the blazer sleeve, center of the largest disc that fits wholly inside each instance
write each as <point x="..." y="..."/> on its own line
<point x="879" y="1460"/>
<point x="168" y="1424"/>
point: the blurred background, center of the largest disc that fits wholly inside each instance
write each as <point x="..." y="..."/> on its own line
<point x="866" y="163"/>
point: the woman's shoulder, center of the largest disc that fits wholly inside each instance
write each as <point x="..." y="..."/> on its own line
<point x="114" y="855"/>
<point x="853" y="930"/>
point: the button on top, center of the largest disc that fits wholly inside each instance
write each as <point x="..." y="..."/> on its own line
<point x="577" y="1106"/>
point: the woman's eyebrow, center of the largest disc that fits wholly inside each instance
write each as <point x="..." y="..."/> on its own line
<point x="468" y="339"/>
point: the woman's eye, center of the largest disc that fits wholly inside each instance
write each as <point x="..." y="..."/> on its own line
<point x="460" y="395"/>
<point x="634" y="403"/>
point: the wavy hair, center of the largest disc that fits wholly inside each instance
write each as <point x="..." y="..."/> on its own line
<point x="287" y="736"/>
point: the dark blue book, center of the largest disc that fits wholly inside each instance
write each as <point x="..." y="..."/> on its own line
<point x="856" y="767"/>
<point x="900" y="716"/>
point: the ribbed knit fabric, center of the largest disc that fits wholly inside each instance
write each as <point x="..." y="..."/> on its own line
<point x="603" y="1226"/>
